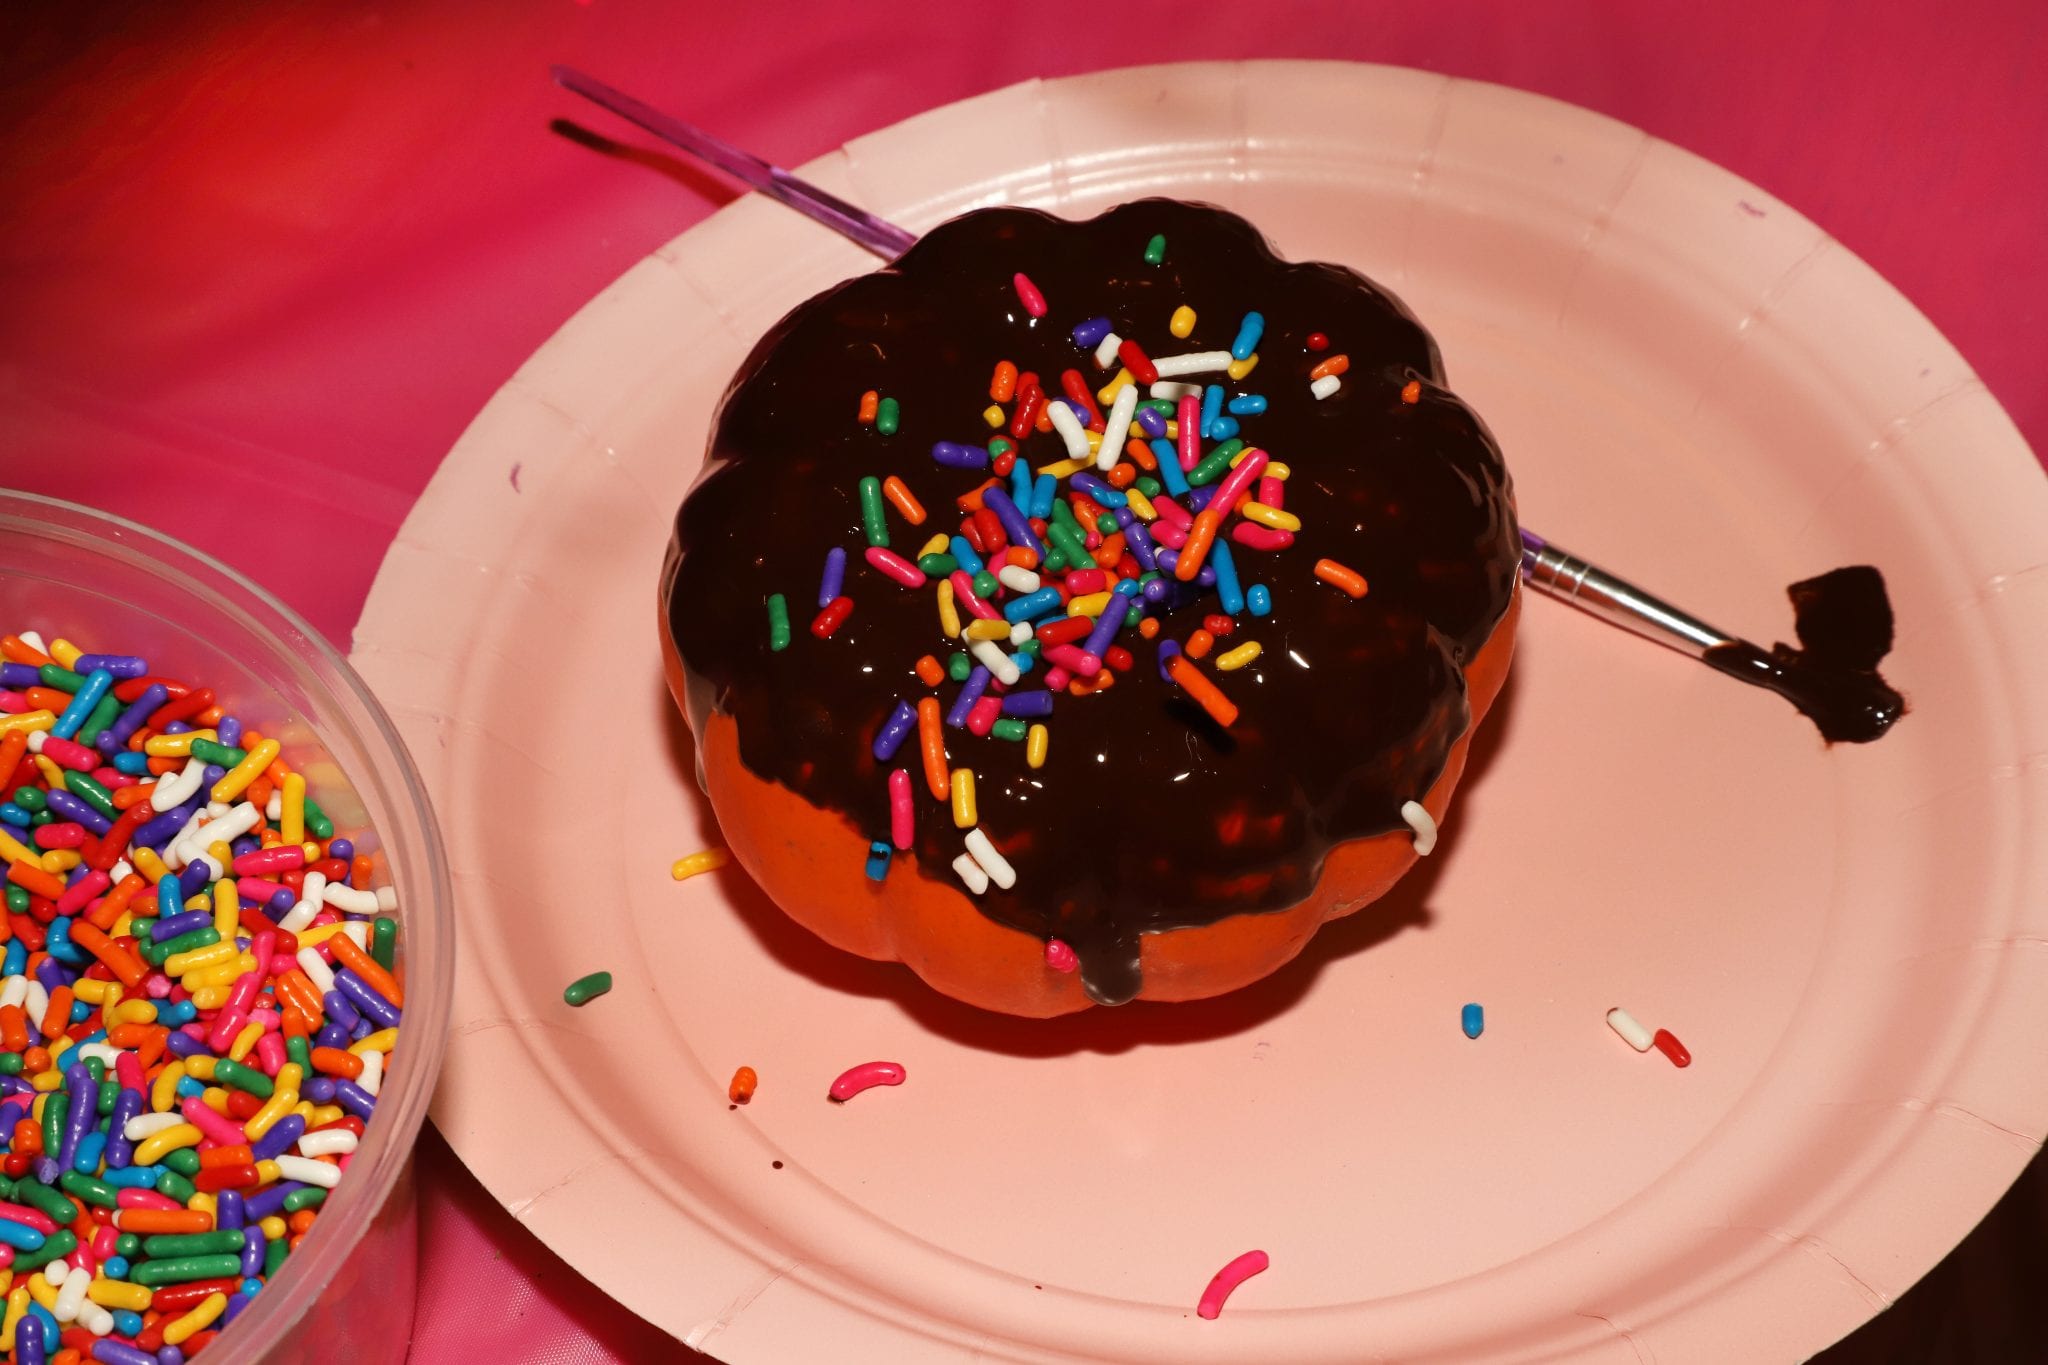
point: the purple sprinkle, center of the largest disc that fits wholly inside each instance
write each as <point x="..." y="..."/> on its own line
<point x="253" y="1243"/>
<point x="171" y="926"/>
<point x="340" y="1010"/>
<point x="970" y="693"/>
<point x="1167" y="649"/>
<point x="330" y="1035"/>
<point x="1089" y="334"/>
<point x="229" y="732"/>
<point x="355" y="1099"/>
<point x="956" y="456"/>
<point x="895" y="730"/>
<point x="71" y="808"/>
<point x="367" y="998"/>
<point x="286" y="1130"/>
<point x="1151" y="423"/>
<point x="227" y="1211"/>
<point x="266" y="1203"/>
<point x="130" y="720"/>
<point x="1015" y="525"/>
<point x="1198" y="498"/>
<point x="194" y="878"/>
<point x="20" y="675"/>
<point x="110" y="1352"/>
<point x="320" y="1089"/>
<point x="1106" y="626"/>
<point x="1102" y="493"/>
<point x="1034" y="703"/>
<point x="239" y="1301"/>
<point x="154" y="833"/>
<point x="834" y="577"/>
<point x="1139" y="541"/>
<point x="116" y="665"/>
<point x="343" y="849"/>
<point x="184" y="1045"/>
<point x="120" y="1151"/>
<point x="1155" y="591"/>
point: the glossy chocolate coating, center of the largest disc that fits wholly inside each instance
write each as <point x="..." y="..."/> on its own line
<point x="1147" y="816"/>
<point x="1844" y="622"/>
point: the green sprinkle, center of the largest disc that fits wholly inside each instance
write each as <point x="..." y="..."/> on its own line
<point x="1106" y="523"/>
<point x="778" y="622"/>
<point x="1030" y="647"/>
<point x="585" y="989"/>
<point x="873" y="514"/>
<point x="57" y="1245"/>
<point x="317" y="822"/>
<point x="1054" y="560"/>
<point x="888" y="417"/>
<point x="183" y="1162"/>
<point x="1214" y="463"/>
<point x="1160" y="406"/>
<point x="999" y="445"/>
<point x="17" y="900"/>
<point x="175" y="1185"/>
<point x="985" y="585"/>
<point x="92" y="793"/>
<point x="209" y="752"/>
<point x="178" y="1269"/>
<point x="937" y="565"/>
<point x="128" y="1246"/>
<point x="958" y="667"/>
<point x="28" y="798"/>
<point x="45" y="1200"/>
<point x="222" y="1243"/>
<point x="300" y="1052"/>
<point x="244" y="1078"/>
<point x="1009" y="727"/>
<point x="383" y="942"/>
<point x="1155" y="250"/>
<point x="55" y="1110"/>
<point x="91" y="1190"/>
<point x="1147" y="485"/>
<point x="61" y="678"/>
<point x="10" y="1063"/>
<point x="102" y="716"/>
<point x="109" y="1092"/>
<point x="312" y="1197"/>
<point x="1067" y="540"/>
<point x="273" y="1256"/>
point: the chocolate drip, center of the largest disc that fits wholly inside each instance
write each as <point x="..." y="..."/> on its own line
<point x="1844" y="623"/>
<point x="1147" y="816"/>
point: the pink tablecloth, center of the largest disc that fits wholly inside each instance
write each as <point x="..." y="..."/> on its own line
<point x="259" y="264"/>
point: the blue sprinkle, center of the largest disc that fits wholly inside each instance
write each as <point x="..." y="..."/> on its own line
<point x="1474" y="1021"/>
<point x="1258" y="599"/>
<point x="1248" y="336"/>
<point x="1248" y="405"/>
<point x="878" y="861"/>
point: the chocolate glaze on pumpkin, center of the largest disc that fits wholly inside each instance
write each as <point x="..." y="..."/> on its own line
<point x="1146" y="816"/>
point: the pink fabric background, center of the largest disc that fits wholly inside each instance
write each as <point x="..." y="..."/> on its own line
<point x="261" y="263"/>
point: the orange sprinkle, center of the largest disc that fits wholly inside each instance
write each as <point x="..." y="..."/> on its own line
<point x="1411" y="392"/>
<point x="930" y="671"/>
<point x="18" y="651"/>
<point x="1101" y="682"/>
<point x="932" y="740"/>
<point x="1200" y="537"/>
<point x="1121" y="475"/>
<point x="744" y="1080"/>
<point x="1336" y="364"/>
<point x="34" y="880"/>
<point x="1199" y="644"/>
<point x="301" y="1221"/>
<point x="1206" y="694"/>
<point x="368" y="968"/>
<point x="1044" y="422"/>
<point x="1141" y="454"/>
<point x="1021" y="556"/>
<point x="970" y="501"/>
<point x="1350" y="581"/>
<point x="1003" y="386"/>
<point x="124" y="797"/>
<point x="148" y="1222"/>
<point x="333" y="1061"/>
<point x="1149" y="627"/>
<point x="870" y="403"/>
<point x="1111" y="550"/>
<point x="899" y="495"/>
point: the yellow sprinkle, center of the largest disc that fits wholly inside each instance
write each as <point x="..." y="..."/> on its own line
<point x="383" y="1040"/>
<point x="213" y="997"/>
<point x="1094" y="440"/>
<point x="199" y="1066"/>
<point x="227" y="906"/>
<point x="935" y="546"/>
<point x="245" y="1041"/>
<point x="175" y="746"/>
<point x="1270" y="516"/>
<point x="157" y="1146"/>
<point x="64" y="652"/>
<point x="273" y="1227"/>
<point x="196" y="1321"/>
<point x="949" y="622"/>
<point x="17" y="1309"/>
<point x="237" y="779"/>
<point x="28" y="720"/>
<point x="148" y="864"/>
<point x="164" y="1092"/>
<point x="710" y="860"/>
<point x="324" y="1114"/>
<point x="1059" y="469"/>
<point x="135" y="1012"/>
<point x="992" y="414"/>
<point x="1182" y="322"/>
<point x="60" y="860"/>
<point x="963" y="798"/>
<point x="53" y="776"/>
<point x="177" y="964"/>
<point x="1172" y="429"/>
<point x="213" y="974"/>
<point x="46" y="1081"/>
<point x="202" y="1202"/>
<point x="125" y="925"/>
<point x="1276" y="470"/>
<point x="41" y="1290"/>
<point x="90" y="991"/>
<point x="1089" y="604"/>
<point x="317" y="935"/>
<point x="12" y="851"/>
<point x="269" y="1175"/>
<point x="1240" y="368"/>
<point x="1036" y="741"/>
<point x="216" y="1099"/>
<point x="1239" y="657"/>
<point x="1141" y="506"/>
<point x="1107" y="393"/>
<point x="118" y="1294"/>
<point x="291" y="820"/>
<point x="979" y="629"/>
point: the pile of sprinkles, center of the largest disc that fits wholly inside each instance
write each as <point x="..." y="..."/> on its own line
<point x="199" y="993"/>
<point x="1056" y="570"/>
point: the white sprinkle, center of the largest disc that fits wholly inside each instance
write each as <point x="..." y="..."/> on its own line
<point x="358" y="931"/>
<point x="1632" y="1033"/>
<point x="13" y="991"/>
<point x="1019" y="633"/>
<point x="144" y="1126"/>
<point x="72" y="1296"/>
<point x="35" y="741"/>
<point x="1117" y="428"/>
<point x="315" y="967"/>
<point x="172" y="792"/>
<point x="95" y="1319"/>
<point x="1191" y="362"/>
<point x="33" y="641"/>
<point x="372" y="1078"/>
<point x="1425" y="828"/>
<point x="349" y="900"/>
<point x="387" y="899"/>
<point x="990" y="656"/>
<point x="273" y="809"/>
<point x="1325" y="386"/>
<point x="995" y="864"/>
<point x="37" y="1003"/>
<point x="1070" y="430"/>
<point x="104" y="1052"/>
<point x="121" y="871"/>
<point x="1105" y="356"/>
<point x="328" y="1142"/>
<point x="312" y="895"/>
<point x="1173" y="393"/>
<point x="970" y="872"/>
<point x="307" y="1171"/>
<point x="1017" y="578"/>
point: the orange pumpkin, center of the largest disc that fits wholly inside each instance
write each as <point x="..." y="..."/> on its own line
<point x="809" y="861"/>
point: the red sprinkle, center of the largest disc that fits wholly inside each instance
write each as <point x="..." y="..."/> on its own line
<point x="832" y="617"/>
<point x="1136" y="361"/>
<point x="1671" y="1047"/>
<point x="1318" y="342"/>
<point x="1028" y="295"/>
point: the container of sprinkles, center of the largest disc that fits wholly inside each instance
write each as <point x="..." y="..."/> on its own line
<point x="226" y="963"/>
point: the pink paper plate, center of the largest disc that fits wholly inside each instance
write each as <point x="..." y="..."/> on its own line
<point x="1694" y="385"/>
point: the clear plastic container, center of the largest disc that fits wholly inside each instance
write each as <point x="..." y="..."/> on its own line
<point x="104" y="583"/>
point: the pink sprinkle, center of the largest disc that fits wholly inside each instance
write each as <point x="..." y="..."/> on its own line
<point x="895" y="566"/>
<point x="902" y="814"/>
<point x="864" y="1077"/>
<point x="1229" y="1278"/>
<point x="1028" y="295"/>
<point x="1059" y="956"/>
